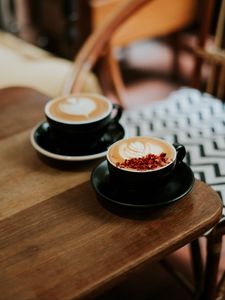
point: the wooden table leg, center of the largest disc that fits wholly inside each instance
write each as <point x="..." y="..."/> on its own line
<point x="221" y="288"/>
<point x="214" y="245"/>
<point x="197" y="264"/>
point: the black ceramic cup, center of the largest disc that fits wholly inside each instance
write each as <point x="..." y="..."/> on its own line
<point x="81" y="118"/>
<point x="136" y="147"/>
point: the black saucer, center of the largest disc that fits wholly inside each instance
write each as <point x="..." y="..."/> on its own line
<point x="47" y="144"/>
<point x="111" y="196"/>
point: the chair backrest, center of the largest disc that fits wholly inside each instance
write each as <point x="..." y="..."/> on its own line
<point x="156" y="18"/>
<point x="99" y="45"/>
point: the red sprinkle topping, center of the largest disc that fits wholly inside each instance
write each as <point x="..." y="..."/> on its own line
<point x="148" y="162"/>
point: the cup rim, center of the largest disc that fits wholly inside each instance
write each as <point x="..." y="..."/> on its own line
<point x="143" y="171"/>
<point x="103" y="116"/>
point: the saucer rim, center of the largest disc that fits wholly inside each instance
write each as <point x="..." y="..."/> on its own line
<point x="71" y="158"/>
<point x="141" y="206"/>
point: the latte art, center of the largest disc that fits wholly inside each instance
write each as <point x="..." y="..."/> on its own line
<point x="78" y="109"/>
<point x="138" y="149"/>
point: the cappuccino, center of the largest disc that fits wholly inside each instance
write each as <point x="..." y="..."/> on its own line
<point x="137" y="147"/>
<point x="78" y="109"/>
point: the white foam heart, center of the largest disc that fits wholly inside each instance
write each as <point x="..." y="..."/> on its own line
<point x="78" y="107"/>
<point x="138" y="149"/>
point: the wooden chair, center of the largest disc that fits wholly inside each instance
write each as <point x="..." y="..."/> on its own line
<point x="97" y="49"/>
<point x="113" y="29"/>
<point x="214" y="59"/>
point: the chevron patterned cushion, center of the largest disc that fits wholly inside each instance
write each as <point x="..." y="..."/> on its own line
<point x="194" y="119"/>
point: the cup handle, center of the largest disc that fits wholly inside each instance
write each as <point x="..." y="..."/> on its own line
<point x="118" y="110"/>
<point x="181" y="152"/>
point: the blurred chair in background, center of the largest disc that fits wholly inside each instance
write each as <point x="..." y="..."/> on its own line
<point x="151" y="23"/>
<point x="155" y="22"/>
<point x="98" y="49"/>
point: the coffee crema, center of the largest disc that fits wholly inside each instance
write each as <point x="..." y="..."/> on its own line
<point x="82" y="108"/>
<point x="137" y="147"/>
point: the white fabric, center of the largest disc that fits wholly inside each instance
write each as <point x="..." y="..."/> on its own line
<point x="22" y="64"/>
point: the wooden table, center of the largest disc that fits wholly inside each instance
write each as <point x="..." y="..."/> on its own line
<point x="56" y="240"/>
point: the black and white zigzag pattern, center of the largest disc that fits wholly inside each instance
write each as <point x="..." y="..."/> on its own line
<point x="193" y="119"/>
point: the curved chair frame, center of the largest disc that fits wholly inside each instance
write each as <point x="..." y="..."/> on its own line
<point x="97" y="43"/>
<point x="97" y="49"/>
<point x="92" y="52"/>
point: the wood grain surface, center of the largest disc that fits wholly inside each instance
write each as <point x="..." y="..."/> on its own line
<point x="56" y="240"/>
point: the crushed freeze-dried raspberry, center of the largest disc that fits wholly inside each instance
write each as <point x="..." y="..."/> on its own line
<point x="148" y="162"/>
